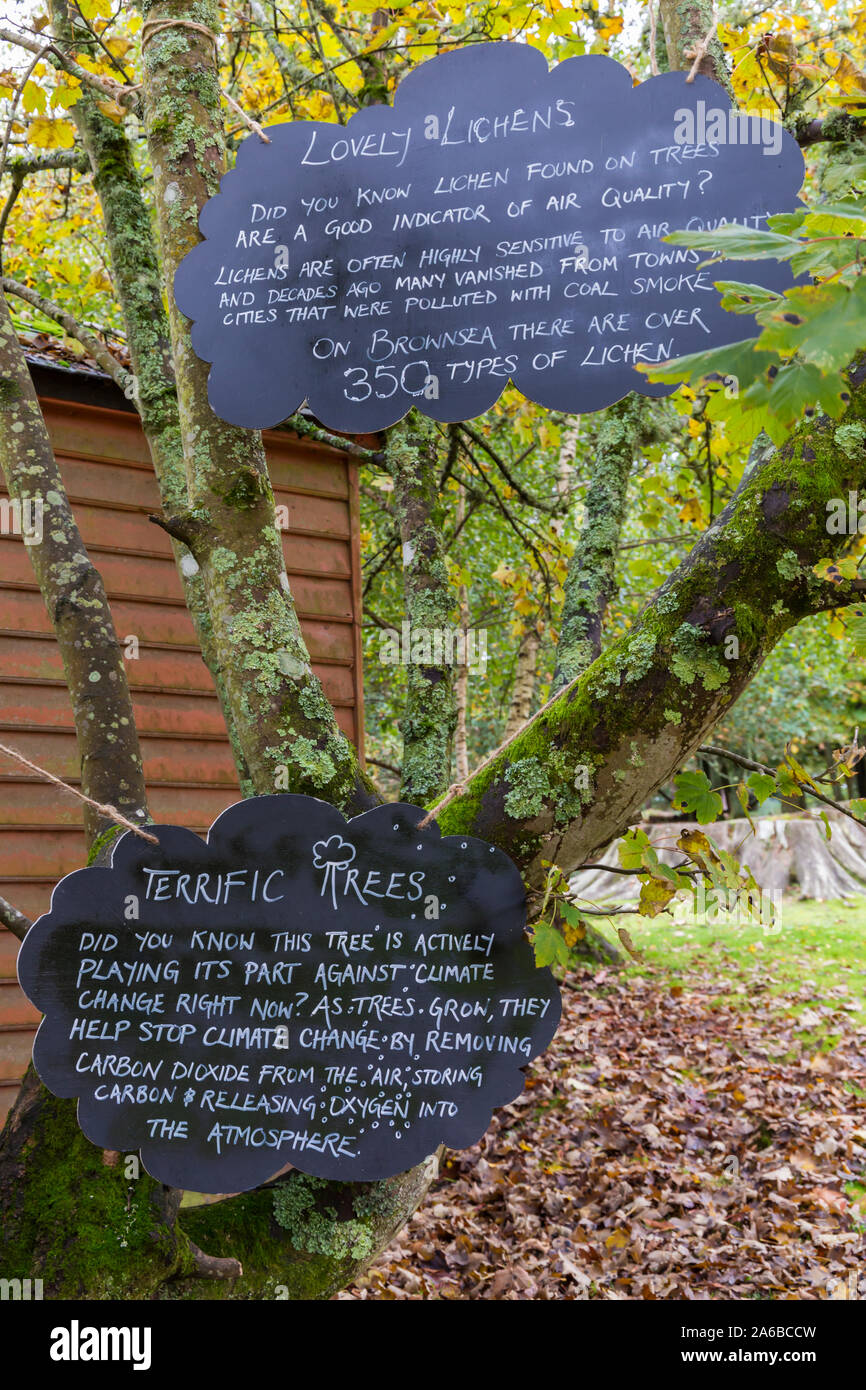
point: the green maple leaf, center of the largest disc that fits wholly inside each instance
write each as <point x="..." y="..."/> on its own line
<point x="763" y="784"/>
<point x="550" y="947"/>
<point x="694" y="793"/>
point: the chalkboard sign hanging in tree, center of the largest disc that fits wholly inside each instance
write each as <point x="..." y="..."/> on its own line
<point x="341" y="996"/>
<point x="501" y="221"/>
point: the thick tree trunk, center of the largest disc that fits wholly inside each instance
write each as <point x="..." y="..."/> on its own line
<point x="285" y="725"/>
<point x="138" y="285"/>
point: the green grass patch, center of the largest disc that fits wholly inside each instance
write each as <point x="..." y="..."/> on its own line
<point x="819" y="945"/>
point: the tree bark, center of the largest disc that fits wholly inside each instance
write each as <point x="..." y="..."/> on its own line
<point x="429" y="717"/>
<point x="686" y="24"/>
<point x="591" y="580"/>
<point x="525" y="673"/>
<point x="138" y="285"/>
<point x="285" y="725"/>
<point x="74" y="596"/>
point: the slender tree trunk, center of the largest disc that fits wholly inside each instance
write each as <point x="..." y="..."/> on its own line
<point x="429" y="718"/>
<point x="591" y="580"/>
<point x="525" y="675"/>
<point x="74" y="596"/>
<point x="461" y="684"/>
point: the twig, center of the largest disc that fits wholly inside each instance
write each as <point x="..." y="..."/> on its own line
<point x="10" y="118"/>
<point x="700" y="51"/>
<point x="97" y="349"/>
<point x="507" y="475"/>
<point x="111" y="812"/>
<point x="752" y="766"/>
<point x="389" y="767"/>
<point x="13" y="920"/>
<point x="16" y="184"/>
<point x="117" y="91"/>
<point x="57" y="159"/>
<point x="299" y="425"/>
<point x="247" y="120"/>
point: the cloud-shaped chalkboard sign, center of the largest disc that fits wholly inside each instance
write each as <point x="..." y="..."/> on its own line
<point x="341" y="996"/>
<point x="500" y="221"/>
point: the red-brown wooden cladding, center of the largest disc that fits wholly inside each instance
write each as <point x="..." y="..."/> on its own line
<point x="188" y="766"/>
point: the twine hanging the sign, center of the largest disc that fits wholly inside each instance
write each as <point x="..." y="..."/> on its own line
<point x="111" y="812"/>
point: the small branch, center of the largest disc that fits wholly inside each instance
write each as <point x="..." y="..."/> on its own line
<point x="388" y="767"/>
<point x="58" y="159"/>
<point x="334" y="441"/>
<point x="655" y="540"/>
<point x="97" y="349"/>
<point x="509" y="477"/>
<point x="752" y="766"/>
<point x="247" y="120"/>
<point x="16" y="185"/>
<point x="13" y="107"/>
<point x="840" y="128"/>
<point x="214" y="1266"/>
<point x="117" y="91"/>
<point x="684" y="868"/>
<point x="13" y="920"/>
<point x="186" y="529"/>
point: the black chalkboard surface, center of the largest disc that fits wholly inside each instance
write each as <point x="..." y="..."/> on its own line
<point x="500" y="221"/>
<point x="341" y="996"/>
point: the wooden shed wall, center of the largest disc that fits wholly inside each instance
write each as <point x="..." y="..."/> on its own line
<point x="187" y="761"/>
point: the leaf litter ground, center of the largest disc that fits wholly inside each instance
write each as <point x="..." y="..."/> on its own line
<point x="697" y="1130"/>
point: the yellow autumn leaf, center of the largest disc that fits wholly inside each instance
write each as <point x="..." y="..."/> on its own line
<point x="618" y="1239"/>
<point x="47" y="134"/>
<point x="655" y="894"/>
<point x="849" y="78"/>
<point x="113" y="110"/>
<point x="33" y="98"/>
<point x="692" y="511"/>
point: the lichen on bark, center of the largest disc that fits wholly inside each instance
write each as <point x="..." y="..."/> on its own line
<point x="430" y="712"/>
